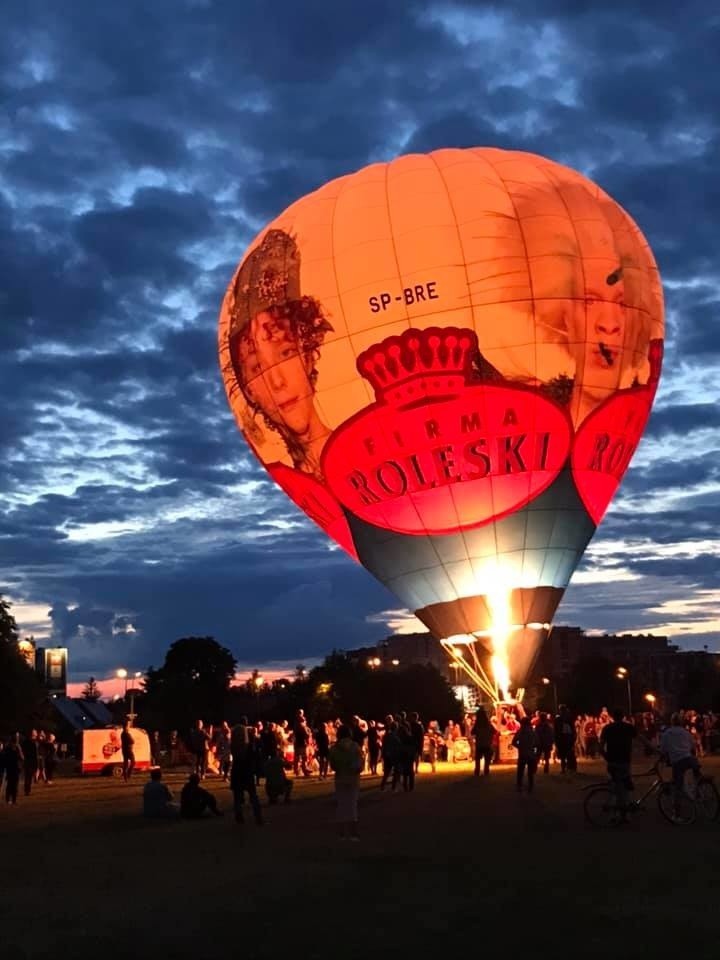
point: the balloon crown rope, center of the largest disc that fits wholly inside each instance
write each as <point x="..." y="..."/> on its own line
<point x="464" y="654"/>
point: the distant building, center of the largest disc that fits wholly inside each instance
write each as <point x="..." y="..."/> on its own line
<point x="404" y="650"/>
<point x="566" y="645"/>
<point x="654" y="664"/>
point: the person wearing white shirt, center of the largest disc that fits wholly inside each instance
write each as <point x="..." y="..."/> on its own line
<point x="678" y="746"/>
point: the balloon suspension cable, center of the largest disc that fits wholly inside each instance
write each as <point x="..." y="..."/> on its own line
<point x="465" y="658"/>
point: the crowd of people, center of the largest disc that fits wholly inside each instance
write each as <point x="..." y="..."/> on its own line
<point x="392" y="749"/>
<point x="34" y="757"/>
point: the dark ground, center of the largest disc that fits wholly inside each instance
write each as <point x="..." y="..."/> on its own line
<point x="460" y="867"/>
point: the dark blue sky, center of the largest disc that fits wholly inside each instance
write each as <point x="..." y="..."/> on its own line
<point x="142" y="146"/>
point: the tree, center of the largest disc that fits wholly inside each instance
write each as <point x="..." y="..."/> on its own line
<point x="91" y="691"/>
<point x="192" y="684"/>
<point x="22" y="697"/>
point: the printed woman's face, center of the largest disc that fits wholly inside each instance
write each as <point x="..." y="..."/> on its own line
<point x="274" y="374"/>
<point x="601" y="358"/>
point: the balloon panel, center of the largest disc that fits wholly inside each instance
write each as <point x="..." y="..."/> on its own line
<point x="447" y="361"/>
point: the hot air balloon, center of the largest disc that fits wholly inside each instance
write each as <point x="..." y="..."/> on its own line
<point x="447" y="361"/>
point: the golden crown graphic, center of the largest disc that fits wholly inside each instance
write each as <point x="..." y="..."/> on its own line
<point x="419" y="364"/>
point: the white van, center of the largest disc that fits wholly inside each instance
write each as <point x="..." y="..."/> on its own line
<point x="100" y="751"/>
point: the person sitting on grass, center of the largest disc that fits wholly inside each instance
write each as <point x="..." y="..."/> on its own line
<point x="157" y="798"/>
<point x="277" y="782"/>
<point x="195" y="800"/>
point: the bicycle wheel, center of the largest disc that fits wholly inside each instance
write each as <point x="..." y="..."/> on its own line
<point x="676" y="806"/>
<point x="601" y="807"/>
<point x="707" y="799"/>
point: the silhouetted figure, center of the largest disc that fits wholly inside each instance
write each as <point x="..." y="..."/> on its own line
<point x="158" y="801"/>
<point x="565" y="740"/>
<point x="417" y="731"/>
<point x="127" y="743"/>
<point x="199" y="740"/>
<point x="373" y="747"/>
<point x="12" y="762"/>
<point x="546" y="740"/>
<point x="195" y="800"/>
<point x="483" y="735"/>
<point x="277" y="782"/>
<point x="29" y="749"/>
<point x="526" y="743"/>
<point x="243" y="771"/>
<point x="346" y="760"/>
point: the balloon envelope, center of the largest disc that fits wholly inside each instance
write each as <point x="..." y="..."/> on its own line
<point x="447" y="361"/>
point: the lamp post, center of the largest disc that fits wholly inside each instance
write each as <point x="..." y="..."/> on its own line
<point x="547" y="681"/>
<point x="122" y="674"/>
<point x="131" y="715"/>
<point x="652" y="700"/>
<point x="624" y="674"/>
<point x="258" y="684"/>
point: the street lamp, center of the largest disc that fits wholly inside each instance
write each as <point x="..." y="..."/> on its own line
<point x="651" y="699"/>
<point x="258" y="684"/>
<point x="131" y="715"/>
<point x="624" y="674"/>
<point x="395" y="663"/>
<point x="122" y="674"/>
<point x="547" y="681"/>
<point x="374" y="662"/>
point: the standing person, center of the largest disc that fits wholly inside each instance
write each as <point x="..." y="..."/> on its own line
<point x="127" y="742"/>
<point x="565" y="739"/>
<point x="591" y="737"/>
<point x="483" y="734"/>
<point x="391" y="753"/>
<point x="243" y="771"/>
<point x="373" y="747"/>
<point x="29" y="748"/>
<point x="525" y="742"/>
<point x="417" y="732"/>
<point x="155" y="748"/>
<point x="359" y="735"/>
<point x="199" y="742"/>
<point x="616" y="743"/>
<point x="433" y="737"/>
<point x="346" y="760"/>
<point x="322" y="750"/>
<point x="40" y="771"/>
<point x="222" y="750"/>
<point x="50" y="758"/>
<point x="546" y="739"/>
<point x="277" y="782"/>
<point x="12" y="762"/>
<point x="301" y="740"/>
<point x="407" y="756"/>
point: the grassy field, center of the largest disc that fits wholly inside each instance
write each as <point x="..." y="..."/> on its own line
<point x="460" y="866"/>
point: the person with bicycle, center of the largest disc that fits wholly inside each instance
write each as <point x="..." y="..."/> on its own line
<point x="616" y="743"/>
<point x="677" y="747"/>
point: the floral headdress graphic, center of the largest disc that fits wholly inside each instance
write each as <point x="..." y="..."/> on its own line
<point x="268" y="277"/>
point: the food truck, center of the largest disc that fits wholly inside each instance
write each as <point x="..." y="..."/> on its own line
<point x="100" y="752"/>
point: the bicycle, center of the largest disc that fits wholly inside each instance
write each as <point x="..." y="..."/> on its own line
<point x="601" y="807"/>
